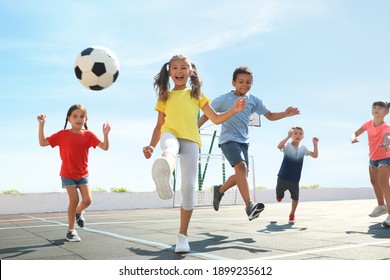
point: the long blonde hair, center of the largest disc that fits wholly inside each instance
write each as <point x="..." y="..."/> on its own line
<point x="161" y="80"/>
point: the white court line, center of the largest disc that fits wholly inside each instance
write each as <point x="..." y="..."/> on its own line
<point x="136" y="240"/>
<point x="101" y="223"/>
<point x="31" y="218"/>
<point x="323" y="250"/>
<point x="25" y="227"/>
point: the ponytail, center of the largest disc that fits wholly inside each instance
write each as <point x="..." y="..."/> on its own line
<point x="161" y="83"/>
<point x="196" y="82"/>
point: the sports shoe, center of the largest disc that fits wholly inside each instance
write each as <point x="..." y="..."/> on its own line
<point x="291" y="218"/>
<point x="161" y="173"/>
<point x="182" y="245"/>
<point x="254" y="210"/>
<point x="378" y="211"/>
<point x="278" y="199"/>
<point x="217" y="196"/>
<point x="80" y="219"/>
<point x="386" y="223"/>
<point x="72" y="236"/>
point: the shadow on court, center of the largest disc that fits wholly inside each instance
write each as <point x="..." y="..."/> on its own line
<point x="328" y="230"/>
<point x="23" y="251"/>
<point x="376" y="231"/>
<point x="210" y="245"/>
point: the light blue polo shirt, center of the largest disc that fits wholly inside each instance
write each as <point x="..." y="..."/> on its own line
<point x="236" y="128"/>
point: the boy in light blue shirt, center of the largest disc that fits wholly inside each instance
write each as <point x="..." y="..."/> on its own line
<point x="234" y="138"/>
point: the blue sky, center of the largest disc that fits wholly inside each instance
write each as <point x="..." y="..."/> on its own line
<point x="330" y="58"/>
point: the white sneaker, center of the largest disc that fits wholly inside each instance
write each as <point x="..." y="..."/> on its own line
<point x="386" y="223"/>
<point x="182" y="245"/>
<point x="378" y="211"/>
<point x="72" y="236"/>
<point x="161" y="173"/>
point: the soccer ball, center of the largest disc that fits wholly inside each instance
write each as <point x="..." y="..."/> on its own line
<point x="97" y="68"/>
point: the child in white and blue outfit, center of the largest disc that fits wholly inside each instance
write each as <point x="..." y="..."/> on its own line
<point x="291" y="169"/>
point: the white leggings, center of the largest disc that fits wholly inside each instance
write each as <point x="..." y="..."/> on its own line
<point x="189" y="154"/>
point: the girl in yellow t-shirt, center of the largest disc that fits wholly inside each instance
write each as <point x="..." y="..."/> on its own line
<point x="177" y="131"/>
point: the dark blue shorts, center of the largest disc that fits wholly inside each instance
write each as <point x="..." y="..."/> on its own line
<point x="235" y="152"/>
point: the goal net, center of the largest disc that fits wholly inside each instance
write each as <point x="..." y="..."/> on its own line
<point x="213" y="169"/>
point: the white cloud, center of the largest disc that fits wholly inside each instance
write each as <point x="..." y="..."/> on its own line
<point x="208" y="26"/>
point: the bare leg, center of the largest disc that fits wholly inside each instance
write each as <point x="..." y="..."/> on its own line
<point x="73" y="202"/>
<point x="86" y="198"/>
<point x="241" y="177"/>
<point x="374" y="178"/>
<point x="230" y="182"/>
<point x="384" y="175"/>
<point x="185" y="217"/>
<point x="294" y="204"/>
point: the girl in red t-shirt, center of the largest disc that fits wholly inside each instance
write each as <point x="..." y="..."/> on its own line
<point x="74" y="144"/>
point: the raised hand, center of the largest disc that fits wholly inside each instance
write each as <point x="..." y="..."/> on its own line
<point x="106" y="128"/>
<point x="292" y="111"/>
<point x="41" y="118"/>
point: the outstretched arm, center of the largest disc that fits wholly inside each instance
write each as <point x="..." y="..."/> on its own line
<point x="148" y="150"/>
<point x="354" y="136"/>
<point x="289" y="112"/>
<point x="219" y="118"/>
<point x="41" y="134"/>
<point x="105" y="144"/>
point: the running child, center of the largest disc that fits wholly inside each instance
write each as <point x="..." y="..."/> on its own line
<point x="379" y="155"/>
<point x="290" y="171"/>
<point x="177" y="131"/>
<point x="234" y="138"/>
<point x="74" y="144"/>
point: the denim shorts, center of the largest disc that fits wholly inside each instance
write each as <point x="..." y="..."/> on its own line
<point x="380" y="162"/>
<point x="235" y="152"/>
<point x="68" y="182"/>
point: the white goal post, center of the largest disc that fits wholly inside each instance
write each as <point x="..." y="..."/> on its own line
<point x="214" y="169"/>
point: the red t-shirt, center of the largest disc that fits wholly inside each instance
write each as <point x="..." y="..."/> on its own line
<point x="74" y="149"/>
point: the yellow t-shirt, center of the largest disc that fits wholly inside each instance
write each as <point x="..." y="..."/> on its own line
<point x="181" y="114"/>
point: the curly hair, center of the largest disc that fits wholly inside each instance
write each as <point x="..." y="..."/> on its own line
<point x="242" y="70"/>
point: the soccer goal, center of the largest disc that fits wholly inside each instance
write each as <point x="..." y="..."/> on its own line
<point x="214" y="169"/>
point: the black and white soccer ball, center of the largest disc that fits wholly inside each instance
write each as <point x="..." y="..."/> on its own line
<point x="96" y="68"/>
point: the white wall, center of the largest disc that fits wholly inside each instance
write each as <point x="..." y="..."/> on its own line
<point x="57" y="202"/>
